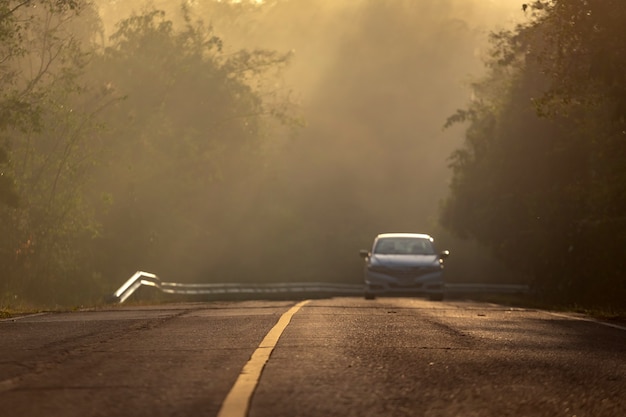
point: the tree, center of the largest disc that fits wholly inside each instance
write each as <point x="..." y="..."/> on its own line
<point x="49" y="134"/>
<point x="540" y="178"/>
<point x="189" y="130"/>
<point x="19" y="23"/>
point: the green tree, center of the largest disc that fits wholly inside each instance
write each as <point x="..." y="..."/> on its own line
<point x="49" y="131"/>
<point x="540" y="178"/>
<point x="20" y="23"/>
<point x="189" y="130"/>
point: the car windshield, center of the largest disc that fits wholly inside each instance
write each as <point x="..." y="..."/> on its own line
<point x="404" y="246"/>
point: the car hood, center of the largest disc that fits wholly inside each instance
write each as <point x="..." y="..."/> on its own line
<point x="403" y="260"/>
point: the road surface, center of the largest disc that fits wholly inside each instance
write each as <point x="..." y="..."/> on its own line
<point x="326" y="357"/>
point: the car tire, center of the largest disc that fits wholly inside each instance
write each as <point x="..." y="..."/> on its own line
<point x="369" y="296"/>
<point x="435" y="297"/>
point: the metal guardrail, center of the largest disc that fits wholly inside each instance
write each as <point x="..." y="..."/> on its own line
<point x="463" y="288"/>
<point x="141" y="278"/>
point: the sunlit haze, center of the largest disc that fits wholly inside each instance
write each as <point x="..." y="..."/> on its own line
<point x="374" y="82"/>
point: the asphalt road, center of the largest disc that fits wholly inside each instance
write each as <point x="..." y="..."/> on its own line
<point x="329" y="357"/>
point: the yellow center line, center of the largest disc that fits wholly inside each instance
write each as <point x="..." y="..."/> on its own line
<point x="237" y="401"/>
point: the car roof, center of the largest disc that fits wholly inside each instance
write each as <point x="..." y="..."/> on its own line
<point x="410" y="235"/>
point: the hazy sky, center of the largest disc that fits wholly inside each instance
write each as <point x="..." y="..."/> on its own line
<point x="375" y="81"/>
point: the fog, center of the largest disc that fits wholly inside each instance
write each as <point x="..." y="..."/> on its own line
<point x="374" y="81"/>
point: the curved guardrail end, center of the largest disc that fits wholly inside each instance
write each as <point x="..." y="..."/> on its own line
<point x="138" y="279"/>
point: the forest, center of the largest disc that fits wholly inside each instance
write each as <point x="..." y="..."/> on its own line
<point x="541" y="177"/>
<point x="270" y="141"/>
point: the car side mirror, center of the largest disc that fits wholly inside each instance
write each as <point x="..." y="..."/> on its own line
<point x="444" y="254"/>
<point x="364" y="253"/>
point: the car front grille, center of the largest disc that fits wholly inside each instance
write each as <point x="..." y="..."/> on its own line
<point x="405" y="273"/>
<point x="409" y="284"/>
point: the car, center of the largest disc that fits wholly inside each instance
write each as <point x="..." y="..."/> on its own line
<point x="404" y="264"/>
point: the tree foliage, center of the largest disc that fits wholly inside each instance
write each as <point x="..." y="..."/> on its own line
<point x="111" y="154"/>
<point x="48" y="131"/>
<point x="15" y="107"/>
<point x="189" y="131"/>
<point x="540" y="178"/>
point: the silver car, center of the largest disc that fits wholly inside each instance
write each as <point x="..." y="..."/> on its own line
<point x="404" y="263"/>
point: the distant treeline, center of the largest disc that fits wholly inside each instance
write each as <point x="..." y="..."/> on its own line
<point x="541" y="179"/>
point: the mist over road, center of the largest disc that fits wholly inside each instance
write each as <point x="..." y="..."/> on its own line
<point x="338" y="356"/>
<point x="372" y="83"/>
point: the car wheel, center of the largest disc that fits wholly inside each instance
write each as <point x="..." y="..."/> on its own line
<point x="369" y="296"/>
<point x="435" y="297"/>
